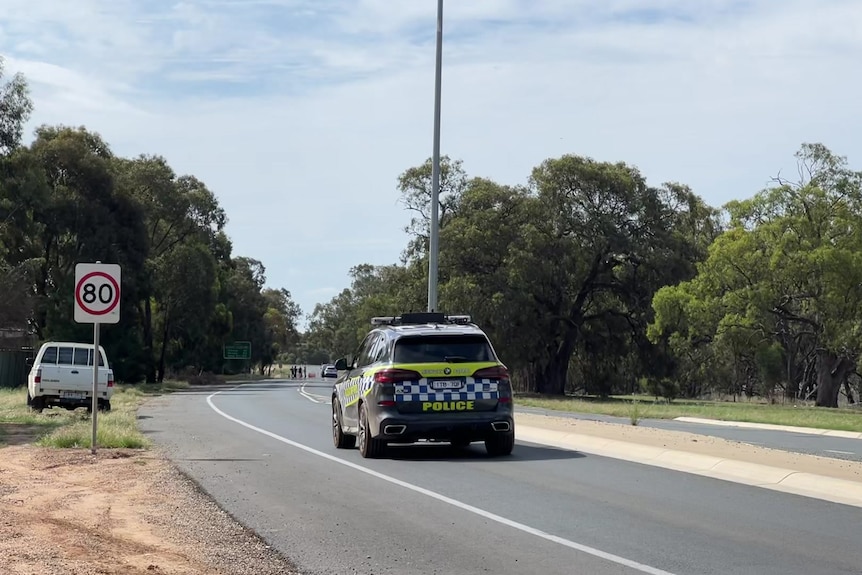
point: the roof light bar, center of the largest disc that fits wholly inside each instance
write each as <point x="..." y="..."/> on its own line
<point x="421" y="318"/>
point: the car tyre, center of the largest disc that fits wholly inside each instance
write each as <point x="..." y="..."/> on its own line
<point x="37" y="404"/>
<point x="500" y="444"/>
<point x="104" y="405"/>
<point x="369" y="447"/>
<point x="339" y="438"/>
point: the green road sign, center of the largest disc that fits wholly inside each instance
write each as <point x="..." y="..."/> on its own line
<point x="237" y="350"/>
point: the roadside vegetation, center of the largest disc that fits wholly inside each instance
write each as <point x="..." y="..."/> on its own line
<point x="66" y="198"/>
<point x="589" y="279"/>
<point x="638" y="408"/>
<point x="62" y="428"/>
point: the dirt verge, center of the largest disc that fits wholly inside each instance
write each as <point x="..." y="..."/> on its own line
<point x="67" y="512"/>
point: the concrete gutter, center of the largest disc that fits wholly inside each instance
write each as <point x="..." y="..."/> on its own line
<point x="769" y="426"/>
<point x="775" y="478"/>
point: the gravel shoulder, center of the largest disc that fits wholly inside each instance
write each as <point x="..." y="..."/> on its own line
<point x="67" y="512"/>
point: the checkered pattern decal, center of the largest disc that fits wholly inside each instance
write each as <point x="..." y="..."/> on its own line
<point x="421" y="391"/>
<point x="351" y="394"/>
<point x="365" y="385"/>
<point x="351" y="390"/>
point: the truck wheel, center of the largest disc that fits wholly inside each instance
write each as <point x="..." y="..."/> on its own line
<point x="369" y="447"/>
<point x="37" y="404"/>
<point x="104" y="405"/>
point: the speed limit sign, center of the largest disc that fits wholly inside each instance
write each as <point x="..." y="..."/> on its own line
<point x="97" y="293"/>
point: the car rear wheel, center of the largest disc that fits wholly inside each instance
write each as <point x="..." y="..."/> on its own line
<point x="500" y="444"/>
<point x="369" y="447"/>
<point x="339" y="438"/>
<point x="37" y="404"/>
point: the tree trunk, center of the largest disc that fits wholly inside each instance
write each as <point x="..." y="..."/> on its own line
<point x="552" y="378"/>
<point x="165" y="333"/>
<point x="791" y="389"/>
<point x="831" y="373"/>
<point x="148" y="340"/>
<point x="849" y="392"/>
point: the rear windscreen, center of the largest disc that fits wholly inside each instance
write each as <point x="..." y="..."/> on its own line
<point x="437" y="348"/>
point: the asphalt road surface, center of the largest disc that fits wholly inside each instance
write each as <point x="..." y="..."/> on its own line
<point x="824" y="446"/>
<point x="264" y="452"/>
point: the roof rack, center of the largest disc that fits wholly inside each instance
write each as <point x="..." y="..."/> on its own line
<point x="418" y="318"/>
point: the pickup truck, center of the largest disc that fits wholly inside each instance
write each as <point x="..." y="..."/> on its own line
<point x="62" y="376"/>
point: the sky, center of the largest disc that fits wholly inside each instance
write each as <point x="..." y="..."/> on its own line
<point x="301" y="114"/>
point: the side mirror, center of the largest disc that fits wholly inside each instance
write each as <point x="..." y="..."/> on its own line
<point x="341" y="364"/>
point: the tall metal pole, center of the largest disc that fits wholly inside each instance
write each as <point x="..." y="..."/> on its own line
<point x="434" y="240"/>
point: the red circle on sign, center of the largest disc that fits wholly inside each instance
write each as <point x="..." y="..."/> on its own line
<point x="83" y="305"/>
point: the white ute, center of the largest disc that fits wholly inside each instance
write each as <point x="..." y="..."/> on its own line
<point x="62" y="376"/>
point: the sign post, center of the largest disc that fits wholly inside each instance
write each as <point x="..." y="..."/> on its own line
<point x="97" y="301"/>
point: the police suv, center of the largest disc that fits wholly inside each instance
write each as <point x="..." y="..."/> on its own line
<point x="423" y="376"/>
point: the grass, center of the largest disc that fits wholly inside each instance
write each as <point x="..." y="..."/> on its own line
<point x="636" y="408"/>
<point x="62" y="428"/>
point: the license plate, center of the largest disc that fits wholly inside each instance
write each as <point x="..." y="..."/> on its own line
<point x="73" y="395"/>
<point x="446" y="384"/>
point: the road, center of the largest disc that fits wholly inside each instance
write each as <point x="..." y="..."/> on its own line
<point x="264" y="453"/>
<point x="824" y="446"/>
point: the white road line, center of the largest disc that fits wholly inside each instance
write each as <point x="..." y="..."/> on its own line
<point x="454" y="502"/>
<point x="312" y="396"/>
<point x="839" y="452"/>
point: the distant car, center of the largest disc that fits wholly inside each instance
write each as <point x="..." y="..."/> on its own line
<point x="329" y="371"/>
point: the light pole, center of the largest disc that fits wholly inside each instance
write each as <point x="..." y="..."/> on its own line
<point x="434" y="240"/>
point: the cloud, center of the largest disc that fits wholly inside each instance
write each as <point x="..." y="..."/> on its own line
<point x="300" y="115"/>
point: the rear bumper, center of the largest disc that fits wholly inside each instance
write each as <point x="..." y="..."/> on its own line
<point x="407" y="428"/>
<point x="54" y="396"/>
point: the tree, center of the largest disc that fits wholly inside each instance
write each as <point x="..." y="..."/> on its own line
<point x="15" y="109"/>
<point x="178" y="211"/>
<point x="416" y="194"/>
<point x="788" y="271"/>
<point x="598" y="243"/>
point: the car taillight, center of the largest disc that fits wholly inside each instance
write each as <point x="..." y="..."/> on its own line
<point x="111" y="380"/>
<point x="385" y="376"/>
<point x="496" y="372"/>
<point x="38" y="378"/>
<point x="386" y="403"/>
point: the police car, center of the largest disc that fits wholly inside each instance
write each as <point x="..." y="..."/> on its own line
<point x="423" y="376"/>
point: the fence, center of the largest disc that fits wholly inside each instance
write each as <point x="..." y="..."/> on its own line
<point x="13" y="367"/>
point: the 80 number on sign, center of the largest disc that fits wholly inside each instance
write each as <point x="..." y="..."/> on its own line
<point x="105" y="293"/>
